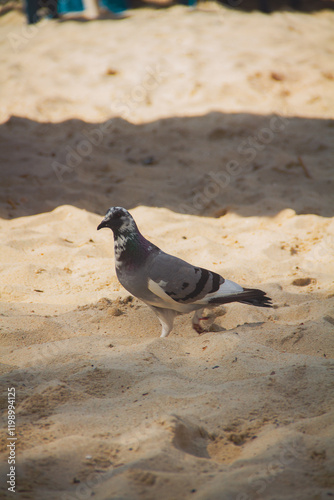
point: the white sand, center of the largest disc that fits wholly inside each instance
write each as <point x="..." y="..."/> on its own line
<point x="148" y="113"/>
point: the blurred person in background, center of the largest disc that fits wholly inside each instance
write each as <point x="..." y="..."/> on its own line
<point x="54" y="8"/>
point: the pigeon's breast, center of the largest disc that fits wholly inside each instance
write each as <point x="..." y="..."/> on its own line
<point x="120" y="250"/>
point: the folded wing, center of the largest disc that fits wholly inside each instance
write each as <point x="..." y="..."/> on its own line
<point x="176" y="282"/>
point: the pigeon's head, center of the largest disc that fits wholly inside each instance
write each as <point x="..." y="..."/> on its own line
<point x="119" y="220"/>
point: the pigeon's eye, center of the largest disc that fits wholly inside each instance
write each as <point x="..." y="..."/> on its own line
<point x="118" y="214"/>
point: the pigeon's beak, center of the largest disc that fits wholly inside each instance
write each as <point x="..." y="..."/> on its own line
<point x="103" y="224"/>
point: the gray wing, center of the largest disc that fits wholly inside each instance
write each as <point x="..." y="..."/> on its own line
<point x="181" y="281"/>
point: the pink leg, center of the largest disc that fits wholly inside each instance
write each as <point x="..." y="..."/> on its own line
<point x="196" y="321"/>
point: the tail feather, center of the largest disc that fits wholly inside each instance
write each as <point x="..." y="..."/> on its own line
<point x="250" y="296"/>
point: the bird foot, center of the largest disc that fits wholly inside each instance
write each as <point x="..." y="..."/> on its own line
<point x="197" y="327"/>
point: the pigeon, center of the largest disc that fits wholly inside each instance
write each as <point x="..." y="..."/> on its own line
<point x="167" y="284"/>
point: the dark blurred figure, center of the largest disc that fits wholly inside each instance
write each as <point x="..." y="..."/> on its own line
<point x="264" y="5"/>
<point x="32" y="7"/>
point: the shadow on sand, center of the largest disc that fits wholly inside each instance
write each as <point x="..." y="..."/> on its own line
<point x="203" y="165"/>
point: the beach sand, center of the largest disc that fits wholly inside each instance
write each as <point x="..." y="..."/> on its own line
<point x="214" y="127"/>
